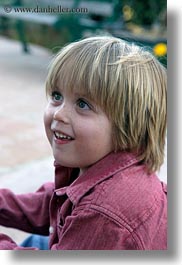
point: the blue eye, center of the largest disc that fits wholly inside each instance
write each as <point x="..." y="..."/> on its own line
<point x="56" y="96"/>
<point x="82" y="104"/>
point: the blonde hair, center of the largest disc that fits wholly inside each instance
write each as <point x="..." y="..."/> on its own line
<point x="129" y="84"/>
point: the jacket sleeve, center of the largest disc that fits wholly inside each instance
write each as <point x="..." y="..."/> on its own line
<point x="27" y="212"/>
<point x="6" y="243"/>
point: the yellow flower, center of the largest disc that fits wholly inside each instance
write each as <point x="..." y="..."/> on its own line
<point x="160" y="49"/>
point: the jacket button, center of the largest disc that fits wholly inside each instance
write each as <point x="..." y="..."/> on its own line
<point x="51" y="229"/>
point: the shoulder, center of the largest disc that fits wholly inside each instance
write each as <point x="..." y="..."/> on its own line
<point x="129" y="196"/>
<point x="134" y="204"/>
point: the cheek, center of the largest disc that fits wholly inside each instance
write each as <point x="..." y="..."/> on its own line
<point x="47" y="122"/>
<point x="96" y="135"/>
<point x="104" y="136"/>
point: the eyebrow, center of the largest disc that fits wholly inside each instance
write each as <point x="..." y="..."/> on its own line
<point x="76" y="94"/>
<point x="57" y="88"/>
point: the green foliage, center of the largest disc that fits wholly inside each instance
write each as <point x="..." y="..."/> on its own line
<point x="146" y="12"/>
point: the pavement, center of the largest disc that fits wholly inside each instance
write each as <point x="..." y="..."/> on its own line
<point x="25" y="155"/>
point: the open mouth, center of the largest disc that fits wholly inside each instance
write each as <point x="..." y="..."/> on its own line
<point x="62" y="136"/>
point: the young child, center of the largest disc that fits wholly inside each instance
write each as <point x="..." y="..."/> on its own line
<point x="106" y="123"/>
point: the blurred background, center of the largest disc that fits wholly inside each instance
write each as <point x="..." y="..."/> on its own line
<point x="51" y="24"/>
<point x="31" y="32"/>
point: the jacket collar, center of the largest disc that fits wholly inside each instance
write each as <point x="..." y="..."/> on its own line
<point x="97" y="173"/>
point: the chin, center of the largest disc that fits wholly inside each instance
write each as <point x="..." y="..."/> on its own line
<point x="64" y="163"/>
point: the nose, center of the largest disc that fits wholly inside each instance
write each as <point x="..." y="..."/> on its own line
<point x="62" y="113"/>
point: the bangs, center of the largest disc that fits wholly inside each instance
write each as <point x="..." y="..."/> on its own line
<point x="87" y="70"/>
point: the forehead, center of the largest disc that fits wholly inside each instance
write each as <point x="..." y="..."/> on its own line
<point x="70" y="90"/>
<point x="72" y="76"/>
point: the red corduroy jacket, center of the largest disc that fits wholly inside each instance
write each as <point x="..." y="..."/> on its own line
<point x="114" y="205"/>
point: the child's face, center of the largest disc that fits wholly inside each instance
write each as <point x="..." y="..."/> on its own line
<point x="78" y="130"/>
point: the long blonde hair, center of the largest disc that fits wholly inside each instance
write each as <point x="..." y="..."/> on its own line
<point x="129" y="84"/>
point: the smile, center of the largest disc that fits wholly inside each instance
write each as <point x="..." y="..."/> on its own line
<point x="62" y="136"/>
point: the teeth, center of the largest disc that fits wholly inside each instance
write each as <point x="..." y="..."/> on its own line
<point x="62" y="136"/>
